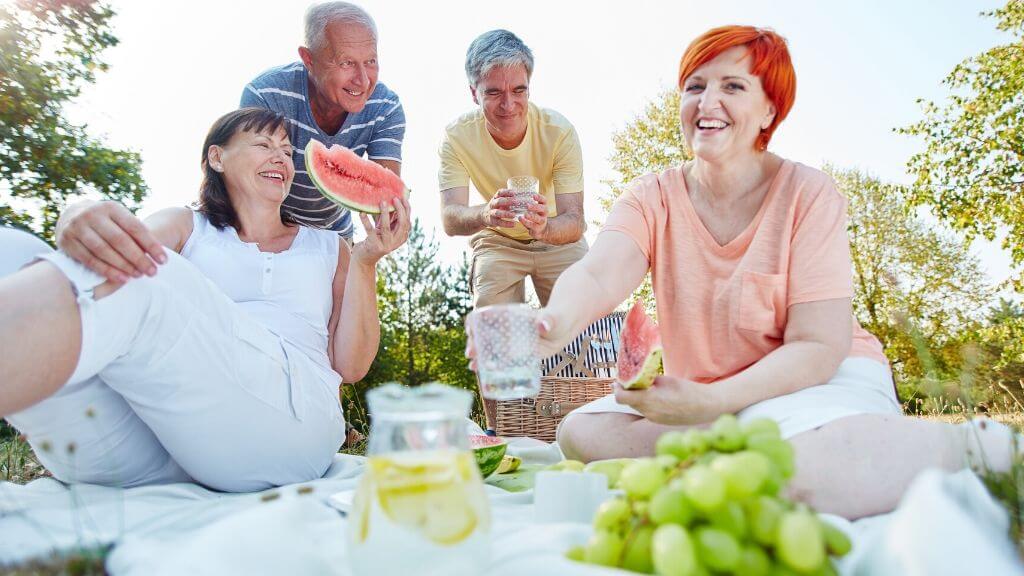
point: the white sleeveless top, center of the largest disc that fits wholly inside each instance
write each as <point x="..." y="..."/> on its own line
<point x="290" y="293"/>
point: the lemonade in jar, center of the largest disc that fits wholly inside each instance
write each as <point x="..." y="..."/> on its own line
<point x="420" y="506"/>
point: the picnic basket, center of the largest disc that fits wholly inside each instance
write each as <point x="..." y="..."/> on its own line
<point x="582" y="372"/>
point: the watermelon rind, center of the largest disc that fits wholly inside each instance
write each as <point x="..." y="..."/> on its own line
<point x="325" y="190"/>
<point x="488" y="456"/>
<point x="651" y="369"/>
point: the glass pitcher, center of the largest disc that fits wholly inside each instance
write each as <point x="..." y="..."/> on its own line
<point x="420" y="506"/>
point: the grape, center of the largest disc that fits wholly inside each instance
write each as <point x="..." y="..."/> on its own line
<point x="726" y="435"/>
<point x="763" y="515"/>
<point x="743" y="472"/>
<point x="753" y="562"/>
<point x="566" y="466"/>
<point x="777" y="450"/>
<point x="669" y="505"/>
<point x="696" y="441"/>
<point x="717" y="549"/>
<point x="641" y="477"/>
<point x="612" y="515"/>
<point x="640" y="508"/>
<point x="576" y="553"/>
<point x="667" y="461"/>
<point x="781" y="570"/>
<point x="604" y="548"/>
<point x="704" y="488"/>
<point x="774" y="482"/>
<point x="638" y="551"/>
<point x="673" y="552"/>
<point x="612" y="468"/>
<point x="836" y="541"/>
<point x="799" y="542"/>
<point x="672" y="444"/>
<point x="730" y="518"/>
<point x="761" y="426"/>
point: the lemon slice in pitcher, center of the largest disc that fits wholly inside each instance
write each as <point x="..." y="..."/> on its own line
<point x="430" y="496"/>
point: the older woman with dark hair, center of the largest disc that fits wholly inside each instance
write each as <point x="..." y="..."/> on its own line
<point x="751" y="270"/>
<point x="224" y="365"/>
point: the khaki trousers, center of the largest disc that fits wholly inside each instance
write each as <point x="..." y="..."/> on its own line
<point x="500" y="265"/>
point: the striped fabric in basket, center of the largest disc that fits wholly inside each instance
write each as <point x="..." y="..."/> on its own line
<point x="592" y="354"/>
<point x="581" y="373"/>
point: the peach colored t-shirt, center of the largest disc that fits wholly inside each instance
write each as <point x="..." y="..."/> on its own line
<point x="723" y="308"/>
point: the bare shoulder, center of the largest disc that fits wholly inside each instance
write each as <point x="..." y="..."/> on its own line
<point x="172" y="226"/>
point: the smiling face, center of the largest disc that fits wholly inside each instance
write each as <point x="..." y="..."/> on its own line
<point x="256" y="164"/>
<point x="723" y="107"/>
<point x="503" y="94"/>
<point x="343" y="70"/>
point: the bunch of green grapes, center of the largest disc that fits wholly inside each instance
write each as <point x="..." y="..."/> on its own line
<point x="709" y="503"/>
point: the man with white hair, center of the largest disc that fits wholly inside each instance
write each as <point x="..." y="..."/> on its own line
<point x="332" y="95"/>
<point x="506" y="136"/>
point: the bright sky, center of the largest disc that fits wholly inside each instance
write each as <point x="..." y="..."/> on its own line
<point x="860" y="68"/>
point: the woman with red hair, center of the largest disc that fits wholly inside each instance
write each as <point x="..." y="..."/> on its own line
<point x="750" y="264"/>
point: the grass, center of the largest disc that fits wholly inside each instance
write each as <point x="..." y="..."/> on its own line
<point x="17" y="462"/>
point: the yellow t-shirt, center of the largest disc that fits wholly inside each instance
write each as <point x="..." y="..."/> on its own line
<point x="550" y="151"/>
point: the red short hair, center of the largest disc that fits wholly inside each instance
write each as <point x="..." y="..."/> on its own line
<point x="769" y="61"/>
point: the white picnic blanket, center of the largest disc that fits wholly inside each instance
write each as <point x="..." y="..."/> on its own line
<point x="947" y="524"/>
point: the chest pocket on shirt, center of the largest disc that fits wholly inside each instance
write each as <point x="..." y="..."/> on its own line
<point x="762" y="303"/>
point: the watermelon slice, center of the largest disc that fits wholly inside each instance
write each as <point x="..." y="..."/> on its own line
<point x="488" y="450"/>
<point x="639" y="360"/>
<point x="351" y="181"/>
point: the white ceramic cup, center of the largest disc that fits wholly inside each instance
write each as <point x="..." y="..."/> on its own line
<point x="568" y="496"/>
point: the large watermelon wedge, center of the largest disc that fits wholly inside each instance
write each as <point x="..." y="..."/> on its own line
<point x="639" y="360"/>
<point x="350" y="180"/>
<point x="488" y="451"/>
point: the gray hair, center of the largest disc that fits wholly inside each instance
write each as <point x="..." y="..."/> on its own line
<point x="496" y="48"/>
<point x="318" y="16"/>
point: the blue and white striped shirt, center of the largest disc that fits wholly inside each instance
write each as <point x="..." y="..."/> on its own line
<point x="376" y="132"/>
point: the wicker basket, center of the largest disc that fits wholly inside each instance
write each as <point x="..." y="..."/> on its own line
<point x="539" y="417"/>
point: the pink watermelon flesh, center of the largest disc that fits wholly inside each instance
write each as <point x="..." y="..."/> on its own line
<point x="350" y="180"/>
<point x="639" y="361"/>
<point x="488" y="451"/>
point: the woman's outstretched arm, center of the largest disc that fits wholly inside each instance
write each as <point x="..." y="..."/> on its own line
<point x="591" y="288"/>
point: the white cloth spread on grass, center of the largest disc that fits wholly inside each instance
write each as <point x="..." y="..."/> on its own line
<point x="946" y="524"/>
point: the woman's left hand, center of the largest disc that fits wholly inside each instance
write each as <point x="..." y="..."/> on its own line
<point x="385" y="233"/>
<point x="673" y="401"/>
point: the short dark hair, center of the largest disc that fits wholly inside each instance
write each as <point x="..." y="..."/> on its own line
<point x="214" y="202"/>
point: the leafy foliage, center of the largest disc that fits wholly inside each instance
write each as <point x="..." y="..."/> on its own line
<point x="914" y="286"/>
<point x="971" y="172"/>
<point x="422" y="305"/>
<point x="50" y="49"/>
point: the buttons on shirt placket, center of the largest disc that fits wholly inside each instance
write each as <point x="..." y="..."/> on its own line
<point x="268" y="272"/>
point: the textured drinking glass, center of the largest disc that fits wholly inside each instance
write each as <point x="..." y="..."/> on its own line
<point x="524" y="187"/>
<point x="507" y="361"/>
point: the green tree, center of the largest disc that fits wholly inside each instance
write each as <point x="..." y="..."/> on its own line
<point x="650" y="142"/>
<point x="971" y="172"/>
<point x="49" y="50"/>
<point x="1001" y="353"/>
<point x="917" y="289"/>
<point x="423" y="304"/>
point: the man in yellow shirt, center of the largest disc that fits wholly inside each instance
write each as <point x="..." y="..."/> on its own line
<point x="508" y="136"/>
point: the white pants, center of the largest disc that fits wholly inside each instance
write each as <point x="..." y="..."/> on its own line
<point x="860" y="386"/>
<point x="175" y="382"/>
